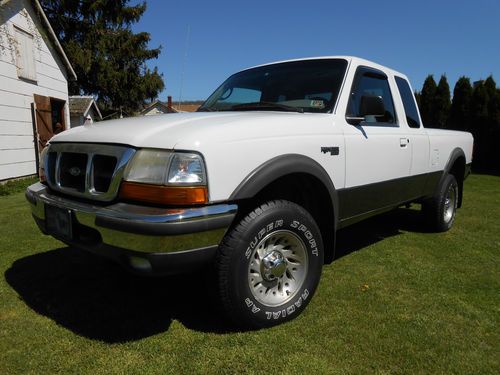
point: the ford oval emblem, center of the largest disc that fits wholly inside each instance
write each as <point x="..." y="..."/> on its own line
<point x="75" y="171"/>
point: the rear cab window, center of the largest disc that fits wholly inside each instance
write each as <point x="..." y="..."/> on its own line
<point x="409" y="104"/>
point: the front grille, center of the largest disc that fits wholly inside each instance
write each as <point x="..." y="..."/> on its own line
<point x="103" y="166"/>
<point x="91" y="171"/>
<point x="72" y="170"/>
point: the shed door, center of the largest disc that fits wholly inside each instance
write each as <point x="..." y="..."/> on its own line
<point x="43" y="120"/>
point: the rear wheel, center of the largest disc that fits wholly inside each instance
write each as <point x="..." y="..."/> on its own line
<point x="269" y="265"/>
<point x="440" y="211"/>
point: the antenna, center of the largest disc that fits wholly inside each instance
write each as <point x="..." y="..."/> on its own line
<point x="184" y="66"/>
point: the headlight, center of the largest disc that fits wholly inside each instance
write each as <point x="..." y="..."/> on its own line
<point x="186" y="169"/>
<point x="165" y="177"/>
<point x="166" y="168"/>
<point x="149" y="167"/>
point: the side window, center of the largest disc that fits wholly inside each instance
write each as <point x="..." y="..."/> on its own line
<point x="411" y="110"/>
<point x="370" y="82"/>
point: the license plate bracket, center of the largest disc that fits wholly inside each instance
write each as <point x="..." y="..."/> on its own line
<point x="59" y="222"/>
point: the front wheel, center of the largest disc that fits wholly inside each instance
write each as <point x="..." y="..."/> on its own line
<point x="269" y="265"/>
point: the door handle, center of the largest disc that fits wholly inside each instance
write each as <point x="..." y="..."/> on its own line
<point x="403" y="142"/>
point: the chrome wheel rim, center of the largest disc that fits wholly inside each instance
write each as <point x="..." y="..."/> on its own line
<point x="277" y="268"/>
<point x="450" y="204"/>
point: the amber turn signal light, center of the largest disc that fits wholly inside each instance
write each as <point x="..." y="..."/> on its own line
<point x="165" y="195"/>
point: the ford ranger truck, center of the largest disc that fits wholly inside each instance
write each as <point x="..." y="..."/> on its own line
<point x="256" y="182"/>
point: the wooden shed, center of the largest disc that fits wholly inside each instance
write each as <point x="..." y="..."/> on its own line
<point x="83" y="110"/>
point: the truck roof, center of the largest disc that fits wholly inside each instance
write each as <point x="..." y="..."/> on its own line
<point x="350" y="60"/>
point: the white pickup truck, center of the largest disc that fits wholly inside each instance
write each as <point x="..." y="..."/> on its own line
<point x="256" y="183"/>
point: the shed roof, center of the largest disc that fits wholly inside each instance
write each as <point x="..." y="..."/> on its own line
<point x="163" y="107"/>
<point x="52" y="34"/>
<point x="80" y="105"/>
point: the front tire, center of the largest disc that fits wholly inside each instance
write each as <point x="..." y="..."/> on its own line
<point x="269" y="265"/>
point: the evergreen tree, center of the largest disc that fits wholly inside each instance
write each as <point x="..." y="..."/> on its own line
<point x="427" y="102"/>
<point x="493" y="103"/>
<point x="490" y="157"/>
<point x="418" y="97"/>
<point x="479" y="122"/>
<point x="108" y="58"/>
<point x="460" y="112"/>
<point x="479" y="106"/>
<point x="442" y="103"/>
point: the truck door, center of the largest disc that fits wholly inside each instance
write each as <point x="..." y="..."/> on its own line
<point x="378" y="150"/>
<point x="416" y="132"/>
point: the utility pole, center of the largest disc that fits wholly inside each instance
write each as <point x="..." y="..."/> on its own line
<point x="186" y="49"/>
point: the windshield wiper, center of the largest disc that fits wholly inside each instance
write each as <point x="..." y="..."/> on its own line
<point x="264" y="106"/>
<point x="206" y="109"/>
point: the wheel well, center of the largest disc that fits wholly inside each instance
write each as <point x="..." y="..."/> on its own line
<point x="306" y="191"/>
<point x="458" y="171"/>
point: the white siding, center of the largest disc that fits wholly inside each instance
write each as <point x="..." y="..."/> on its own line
<point x="16" y="156"/>
<point x="17" y="152"/>
<point x="21" y="168"/>
<point x="16" y="128"/>
<point x="9" y="113"/>
<point x="16" y="142"/>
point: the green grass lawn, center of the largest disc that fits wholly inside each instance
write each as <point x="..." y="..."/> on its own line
<point x="396" y="300"/>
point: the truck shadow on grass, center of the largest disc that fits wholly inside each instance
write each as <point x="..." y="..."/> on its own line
<point x="96" y="299"/>
<point x="375" y="229"/>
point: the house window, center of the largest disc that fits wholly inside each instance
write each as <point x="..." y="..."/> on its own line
<point x="25" y="55"/>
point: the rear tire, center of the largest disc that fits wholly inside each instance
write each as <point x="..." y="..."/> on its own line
<point x="440" y="211"/>
<point x="269" y="265"/>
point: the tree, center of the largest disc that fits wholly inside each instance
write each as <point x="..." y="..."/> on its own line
<point x="427" y="102"/>
<point x="479" y="106"/>
<point x="493" y="103"/>
<point x="479" y="122"/>
<point x="490" y="131"/>
<point x="460" y="111"/>
<point x="442" y="103"/>
<point x="418" y="97"/>
<point x="108" y="58"/>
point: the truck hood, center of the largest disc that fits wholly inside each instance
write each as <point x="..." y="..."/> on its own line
<point x="188" y="129"/>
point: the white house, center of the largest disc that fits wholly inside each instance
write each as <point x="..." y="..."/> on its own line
<point x="34" y="74"/>
<point x="158" y="108"/>
<point x="82" y="110"/>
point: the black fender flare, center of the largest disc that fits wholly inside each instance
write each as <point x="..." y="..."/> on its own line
<point x="280" y="166"/>
<point x="454" y="156"/>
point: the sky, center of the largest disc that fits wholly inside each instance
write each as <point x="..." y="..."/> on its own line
<point x="203" y="42"/>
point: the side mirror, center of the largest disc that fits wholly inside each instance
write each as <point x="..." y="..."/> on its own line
<point x="370" y="105"/>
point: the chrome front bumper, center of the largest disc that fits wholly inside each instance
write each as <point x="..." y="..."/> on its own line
<point x="148" y="239"/>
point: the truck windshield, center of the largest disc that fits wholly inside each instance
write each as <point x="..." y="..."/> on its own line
<point x="297" y="86"/>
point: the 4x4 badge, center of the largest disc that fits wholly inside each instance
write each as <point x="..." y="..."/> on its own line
<point x="331" y="150"/>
